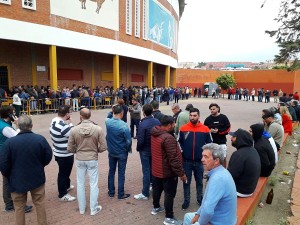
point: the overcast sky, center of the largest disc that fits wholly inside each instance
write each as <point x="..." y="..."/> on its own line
<point x="227" y="30"/>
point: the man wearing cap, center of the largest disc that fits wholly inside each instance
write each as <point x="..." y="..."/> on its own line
<point x="244" y="164"/>
<point x="183" y="118"/>
<point x="219" y="126"/>
<point x="192" y="137"/>
<point x="275" y="129"/>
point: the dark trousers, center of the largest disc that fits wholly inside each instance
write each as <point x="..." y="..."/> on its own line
<point x="134" y="122"/>
<point x="169" y="186"/>
<point x="6" y="194"/>
<point x="191" y="167"/>
<point x="65" y="165"/>
<point x="176" y="98"/>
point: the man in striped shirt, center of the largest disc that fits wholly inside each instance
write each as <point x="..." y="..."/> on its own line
<point x="60" y="128"/>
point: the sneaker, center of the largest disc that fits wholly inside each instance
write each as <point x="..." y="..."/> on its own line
<point x="71" y="187"/>
<point x="9" y="209"/>
<point x="185" y="205"/>
<point x="67" y="198"/>
<point x="98" y="209"/>
<point x="157" y="210"/>
<point x="27" y="208"/>
<point x="125" y="196"/>
<point x="199" y="201"/>
<point x="172" y="221"/>
<point x="140" y="197"/>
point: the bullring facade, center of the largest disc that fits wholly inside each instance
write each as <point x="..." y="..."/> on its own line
<point x="90" y="42"/>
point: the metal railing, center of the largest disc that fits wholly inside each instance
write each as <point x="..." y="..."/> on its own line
<point x="37" y="106"/>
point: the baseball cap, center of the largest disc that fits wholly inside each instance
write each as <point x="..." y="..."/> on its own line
<point x="231" y="133"/>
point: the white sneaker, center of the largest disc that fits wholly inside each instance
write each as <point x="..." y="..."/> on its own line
<point x="71" y="187"/>
<point x="67" y="198"/>
<point x="140" y="197"/>
<point x="98" y="209"/>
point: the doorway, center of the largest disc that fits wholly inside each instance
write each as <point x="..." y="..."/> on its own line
<point x="4" y="77"/>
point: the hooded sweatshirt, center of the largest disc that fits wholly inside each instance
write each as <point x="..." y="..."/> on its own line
<point x="264" y="149"/>
<point x="244" y="164"/>
<point x="86" y="140"/>
<point x="273" y="144"/>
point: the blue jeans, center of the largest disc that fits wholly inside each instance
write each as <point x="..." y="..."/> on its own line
<point x="65" y="165"/>
<point x="91" y="168"/>
<point x="134" y="122"/>
<point x="190" y="167"/>
<point x="121" y="160"/>
<point x="146" y="168"/>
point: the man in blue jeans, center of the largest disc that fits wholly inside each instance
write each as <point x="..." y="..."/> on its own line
<point x="119" y="144"/>
<point x="144" y="148"/>
<point x="192" y="137"/>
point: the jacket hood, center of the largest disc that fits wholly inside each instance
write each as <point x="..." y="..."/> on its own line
<point x="156" y="131"/>
<point x="86" y="128"/>
<point x="257" y="131"/>
<point x="266" y="134"/>
<point x="243" y="139"/>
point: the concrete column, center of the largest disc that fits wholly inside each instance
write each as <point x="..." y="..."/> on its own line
<point x="53" y="67"/>
<point x="167" y="76"/>
<point x="150" y="75"/>
<point x="116" y="71"/>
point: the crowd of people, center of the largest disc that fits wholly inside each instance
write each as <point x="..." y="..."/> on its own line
<point x="171" y="148"/>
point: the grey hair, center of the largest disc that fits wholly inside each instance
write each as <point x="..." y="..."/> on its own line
<point x="25" y="122"/>
<point x="216" y="151"/>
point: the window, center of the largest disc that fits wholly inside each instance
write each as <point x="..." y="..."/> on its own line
<point x="137" y="18"/>
<point x="7" y="2"/>
<point x="145" y="19"/>
<point x="29" y="4"/>
<point x="129" y="17"/>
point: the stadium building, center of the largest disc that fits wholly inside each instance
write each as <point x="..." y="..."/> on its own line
<point x="89" y="42"/>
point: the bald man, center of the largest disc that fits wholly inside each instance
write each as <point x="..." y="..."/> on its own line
<point x="86" y="141"/>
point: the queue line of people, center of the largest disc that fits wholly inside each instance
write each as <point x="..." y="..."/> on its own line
<point x="172" y="156"/>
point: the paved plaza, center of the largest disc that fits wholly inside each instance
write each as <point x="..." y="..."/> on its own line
<point x="125" y="212"/>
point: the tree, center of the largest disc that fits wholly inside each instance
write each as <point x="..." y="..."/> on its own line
<point x="288" y="34"/>
<point x="200" y="64"/>
<point x="225" y="81"/>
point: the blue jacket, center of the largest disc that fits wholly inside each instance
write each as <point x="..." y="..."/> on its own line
<point x="144" y="135"/>
<point x="219" y="205"/>
<point x="118" y="137"/>
<point x="22" y="161"/>
<point x="192" y="138"/>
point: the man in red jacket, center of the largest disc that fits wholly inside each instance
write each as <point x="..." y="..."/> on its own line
<point x="192" y="137"/>
<point x="166" y="167"/>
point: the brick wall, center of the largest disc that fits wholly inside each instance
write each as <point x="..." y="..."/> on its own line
<point x="42" y="16"/>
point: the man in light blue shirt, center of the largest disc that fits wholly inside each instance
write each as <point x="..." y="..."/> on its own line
<point x="219" y="203"/>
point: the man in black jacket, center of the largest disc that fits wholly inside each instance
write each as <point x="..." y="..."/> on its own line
<point x="264" y="149"/>
<point x="144" y="148"/>
<point x="23" y="159"/>
<point x="244" y="164"/>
